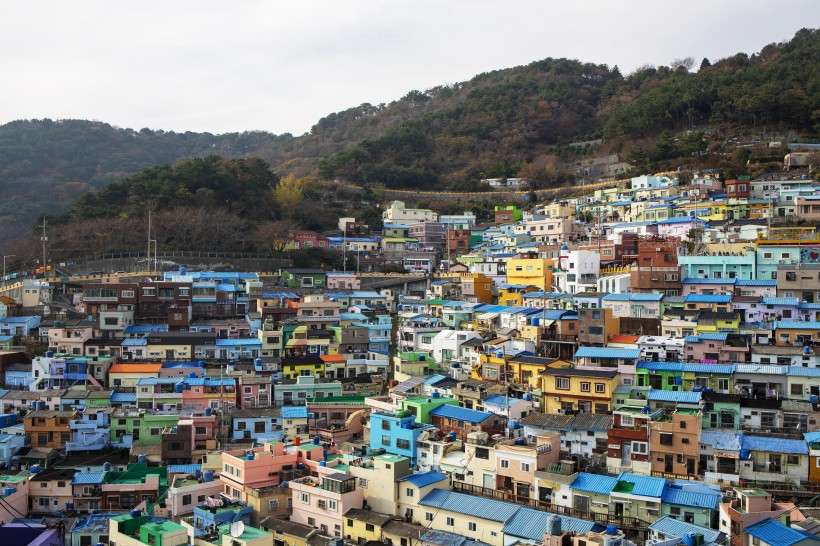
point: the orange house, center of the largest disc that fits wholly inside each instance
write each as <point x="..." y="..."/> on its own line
<point x="46" y="428"/>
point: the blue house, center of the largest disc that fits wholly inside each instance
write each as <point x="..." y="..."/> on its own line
<point x="19" y="375"/>
<point x="770" y="532"/>
<point x="396" y="432"/>
<point x="9" y="445"/>
<point x="239" y="348"/>
<point x="692" y="502"/>
<point x="19" y="326"/>
<point x="256" y="424"/>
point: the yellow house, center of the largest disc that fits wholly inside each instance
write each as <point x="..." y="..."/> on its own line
<point x="788" y="332"/>
<point x="708" y="210"/>
<point x="513" y="294"/>
<point x="526" y="370"/>
<point x="127" y="375"/>
<point x="559" y="210"/>
<point x="536" y="272"/>
<point x="590" y="391"/>
<point x="295" y="368"/>
<point x="362" y="526"/>
<point x="441" y="507"/>
<point x="400" y="533"/>
<point x="718" y="322"/>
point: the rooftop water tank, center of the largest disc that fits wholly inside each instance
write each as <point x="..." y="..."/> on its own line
<point x="436" y="394"/>
<point x="317" y="440"/>
<point x="406" y="425"/>
<point x="136" y="513"/>
<point x="284" y="484"/>
<point x="697" y="388"/>
<point x="41" y="405"/>
<point x="688" y="539"/>
<point x="8" y="491"/>
<point x="520" y="441"/>
<point x="69" y="506"/>
<point x="192" y="375"/>
<point x="106" y="467"/>
<point x="646" y="409"/>
<point x="300" y="466"/>
<point x="201" y="363"/>
<point x="208" y="476"/>
<point x="745" y="455"/>
<point x="141" y="458"/>
<point x="322" y="463"/>
<point x="50" y="354"/>
<point x="251" y="456"/>
<point x="611" y="529"/>
<point x="814" y="399"/>
<point x="513" y="425"/>
<point x="527" y="396"/>
<point x="422" y="358"/>
<point x="183" y="270"/>
<point x="198" y="474"/>
<point x="208" y="412"/>
<point x="179" y="387"/>
<point x="257" y="363"/>
<point x="453" y="435"/>
<point x="554" y="525"/>
<point x="34" y="469"/>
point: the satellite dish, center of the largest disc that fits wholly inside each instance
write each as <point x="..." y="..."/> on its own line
<point x="237" y="528"/>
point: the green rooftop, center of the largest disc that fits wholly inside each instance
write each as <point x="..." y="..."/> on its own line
<point x="337" y="400"/>
<point x="623" y="487"/>
<point x="248" y="535"/>
<point x="13" y="478"/>
<point x="390" y="458"/>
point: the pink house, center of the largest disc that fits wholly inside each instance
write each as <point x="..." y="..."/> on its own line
<point x="255" y="392"/>
<point x="256" y="468"/>
<point x="716" y="347"/>
<point x="343" y="281"/>
<point x="15" y="503"/>
<point x="188" y="491"/>
<point x="321" y="502"/>
<point x="517" y="461"/>
<point x="708" y="286"/>
<point x="209" y="393"/>
<point x="69" y="340"/>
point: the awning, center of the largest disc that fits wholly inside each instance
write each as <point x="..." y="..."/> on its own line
<point x="487" y="316"/>
<point x="727" y="455"/>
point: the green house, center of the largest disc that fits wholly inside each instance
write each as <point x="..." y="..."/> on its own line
<point x="421" y="406"/>
<point x="150" y="429"/>
<point x="303" y="278"/>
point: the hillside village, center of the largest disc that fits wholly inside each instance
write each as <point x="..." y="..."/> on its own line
<point x="637" y="365"/>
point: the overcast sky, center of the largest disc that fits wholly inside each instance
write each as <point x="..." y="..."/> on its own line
<point x="222" y="66"/>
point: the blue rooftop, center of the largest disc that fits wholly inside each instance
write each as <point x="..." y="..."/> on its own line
<point x="423" y="479"/>
<point x="774" y="533"/>
<point x="594" y="483"/>
<point x="683" y="397"/>
<point x="470" y="505"/>
<point x="123" y="397"/>
<point x="294" y="412"/>
<point x="531" y="524"/>
<point x="603" y="352"/>
<point x="698" y="499"/>
<point x="777" y="445"/>
<point x="184" y="468"/>
<point x="462" y="414"/>
<point x="708" y="298"/>
<point x="88" y="478"/>
<point x="672" y="527"/>
<point x="644" y="485"/>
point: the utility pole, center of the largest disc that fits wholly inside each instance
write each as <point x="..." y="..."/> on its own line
<point x="4" y="264"/>
<point x="149" y="240"/>
<point x="44" y="239"/>
<point x="344" y="249"/>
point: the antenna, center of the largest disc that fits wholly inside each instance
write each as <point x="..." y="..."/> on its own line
<point x="237" y="528"/>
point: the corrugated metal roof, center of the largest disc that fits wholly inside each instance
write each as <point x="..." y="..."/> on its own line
<point x="644" y="485"/>
<point x="294" y="412"/>
<point x="594" y="483"/>
<point x="603" y="352"/>
<point x="532" y="524"/>
<point x="764" y="369"/>
<point x="423" y="479"/>
<point x="135" y="368"/>
<point x="776" y="445"/>
<point x="684" y="397"/>
<point x="591" y="421"/>
<point x="184" y="468"/>
<point x="755" y="282"/>
<point x="713" y="336"/>
<point x="796" y="325"/>
<point x="698" y="499"/>
<point x="470" y="505"/>
<point x="780" y="301"/>
<point x="672" y="527"/>
<point x="462" y="414"/>
<point x="408" y="384"/>
<point x="617" y="297"/>
<point x="88" y="478"/>
<point x="646" y="297"/>
<point x="774" y="533"/>
<point x="123" y="396"/>
<point x="695" y="280"/>
<point x="720" y="441"/>
<point x="708" y="298"/>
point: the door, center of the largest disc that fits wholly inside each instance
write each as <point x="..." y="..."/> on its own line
<point x="489" y="481"/>
<point x="626" y="450"/>
<point x="618" y="509"/>
<point x="690" y="467"/>
<point x="667" y="463"/>
<point x="545" y="494"/>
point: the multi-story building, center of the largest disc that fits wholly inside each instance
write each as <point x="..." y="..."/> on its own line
<point x="657" y="269"/>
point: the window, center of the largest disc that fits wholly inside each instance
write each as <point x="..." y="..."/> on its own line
<point x="312" y="522"/>
<point x="484" y="453"/>
<point x="627" y="421"/>
<point x="600" y="388"/>
<point x="796" y="389"/>
<point x="186" y="499"/>
<point x="471" y="526"/>
<point x="305" y="498"/>
<point x="450" y="522"/>
<point x="409" y="491"/>
<point x="666" y="439"/>
<point x="505" y="463"/>
<point x="428" y="516"/>
<point x="363" y="483"/>
<point x="585" y="387"/>
<point x="331" y="505"/>
<point x="640" y="448"/>
<point x="402" y="444"/>
<point x="273" y="504"/>
<point x="525" y="467"/>
<point x="385" y="439"/>
<point x="562" y="383"/>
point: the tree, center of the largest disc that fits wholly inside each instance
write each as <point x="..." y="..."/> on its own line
<point x="683" y="65"/>
<point x="289" y="193"/>
<point x="705" y="63"/>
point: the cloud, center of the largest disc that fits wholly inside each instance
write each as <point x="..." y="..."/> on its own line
<point x="280" y="66"/>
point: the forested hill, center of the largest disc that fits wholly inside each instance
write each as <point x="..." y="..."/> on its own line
<point x="45" y="164"/>
<point x="525" y="121"/>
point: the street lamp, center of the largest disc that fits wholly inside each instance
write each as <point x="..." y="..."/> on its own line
<point x="4" y="264"/>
